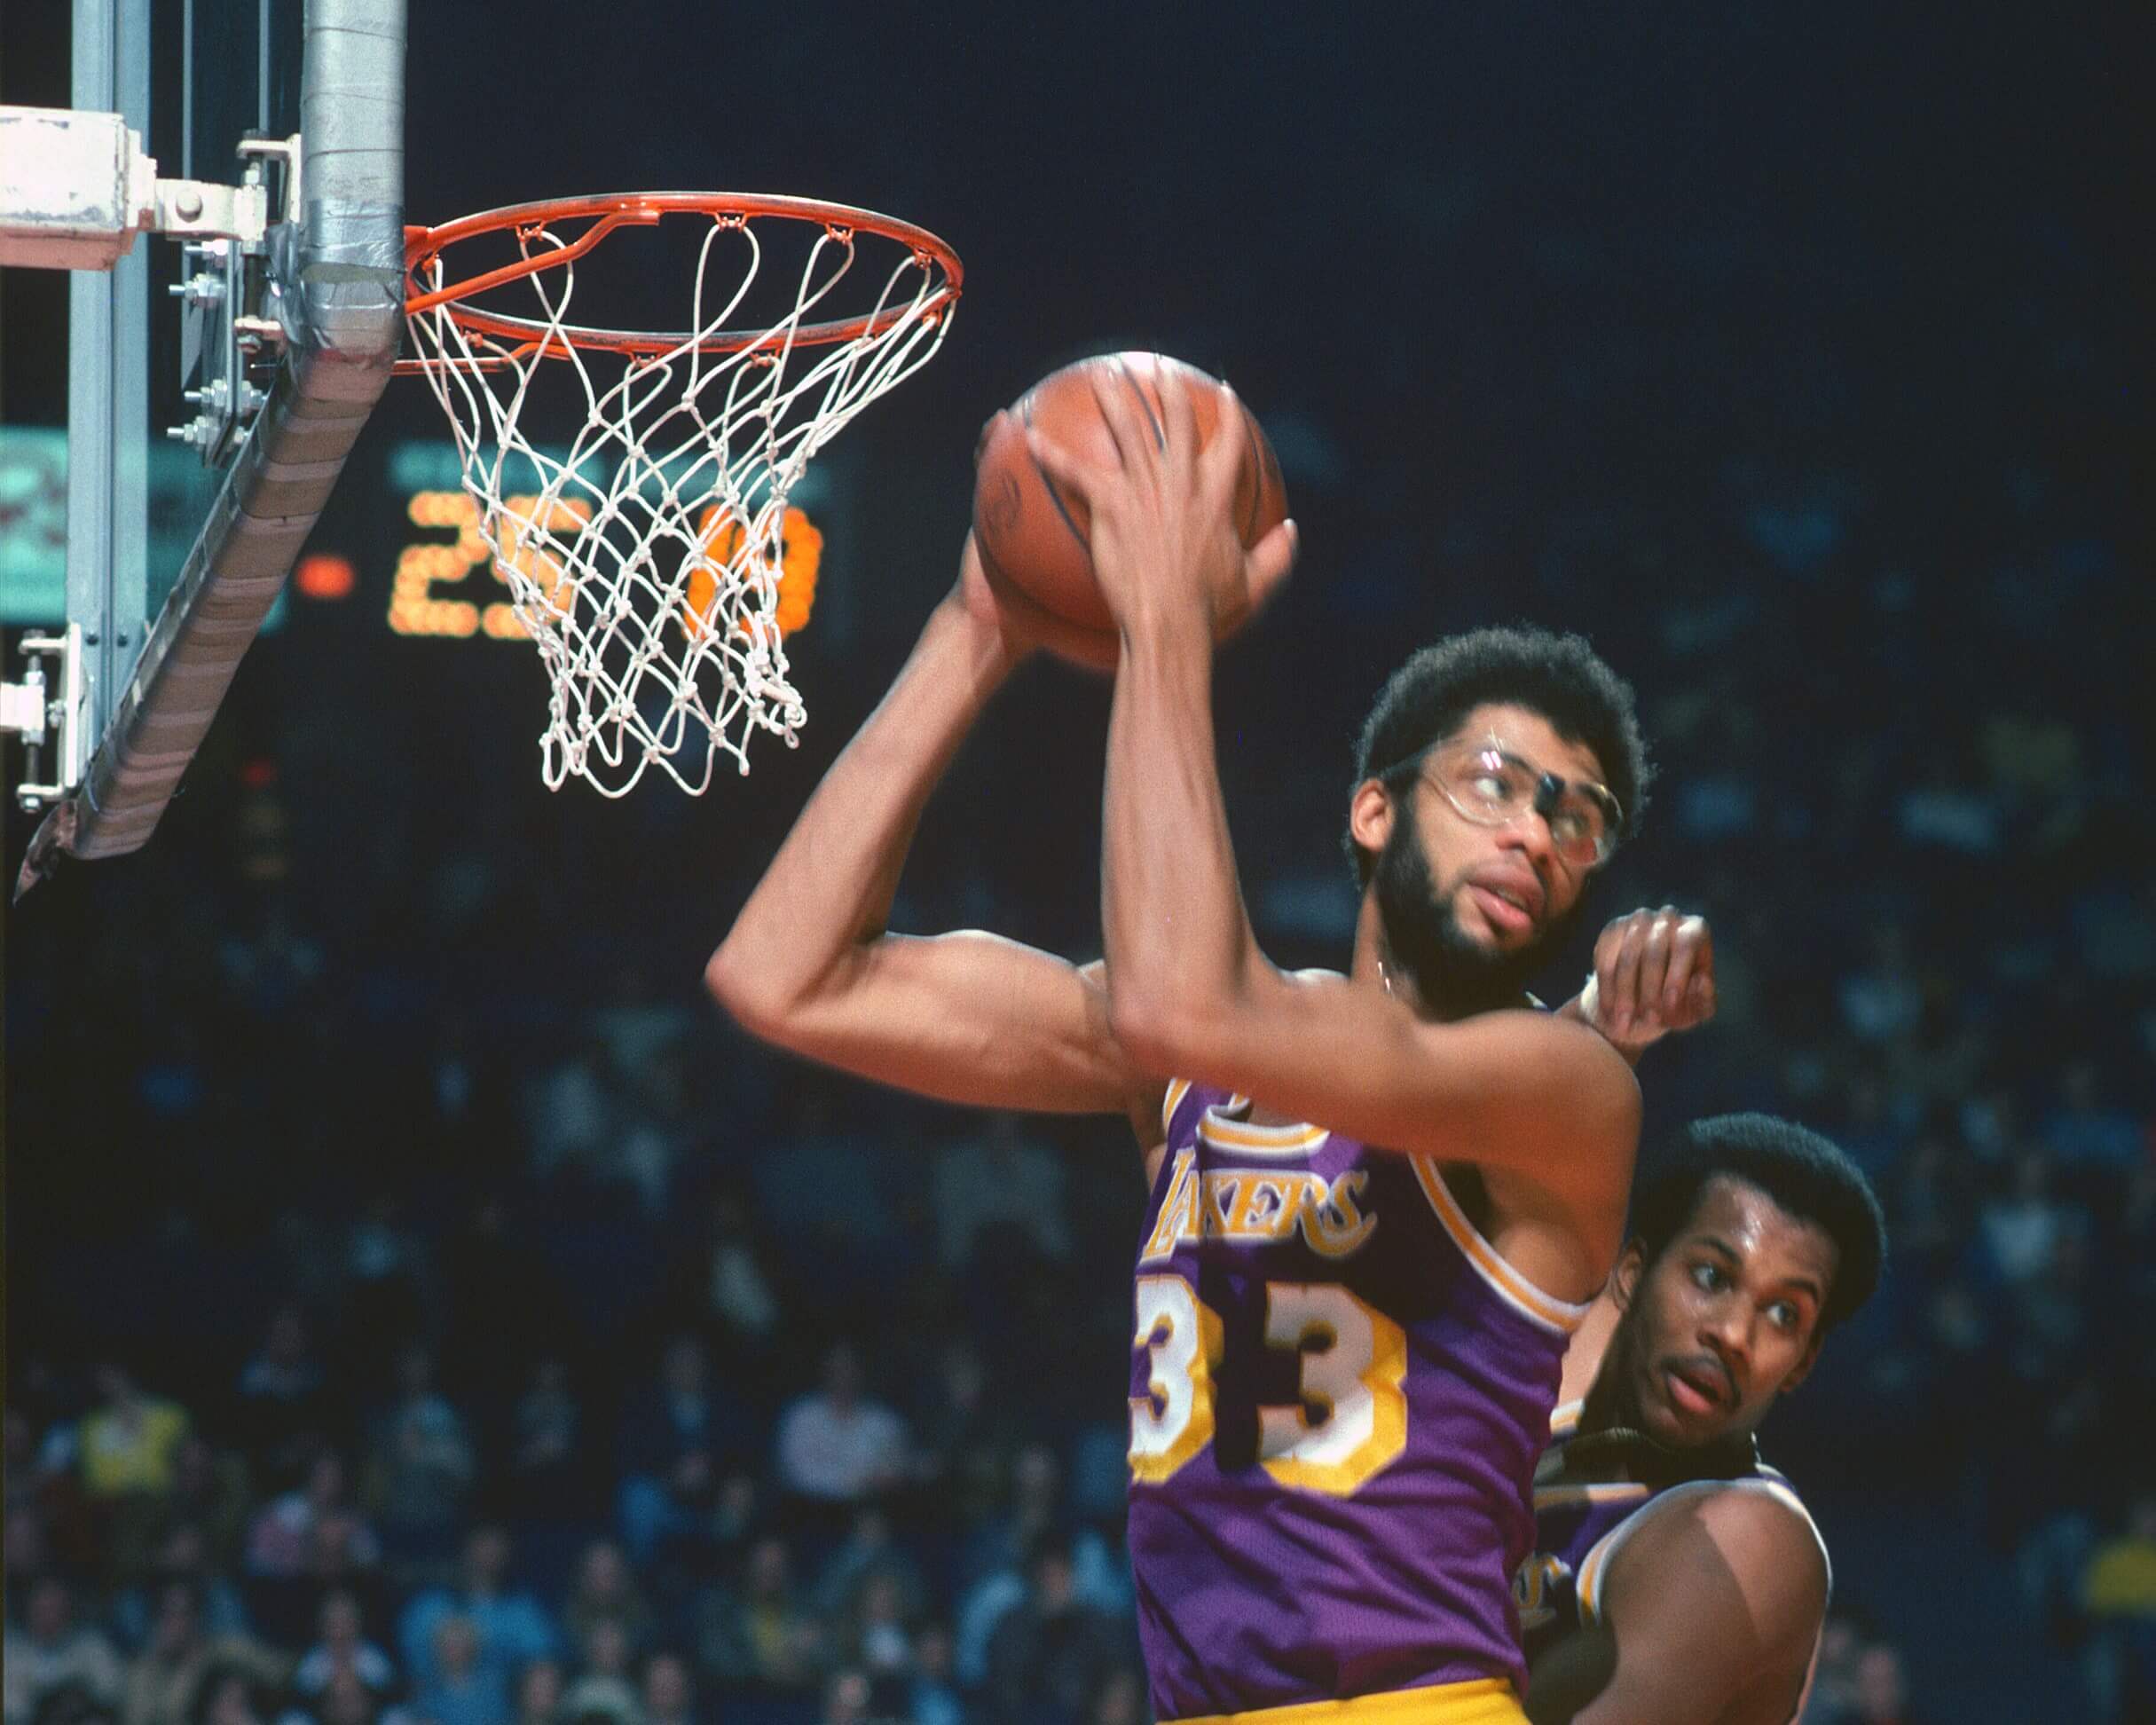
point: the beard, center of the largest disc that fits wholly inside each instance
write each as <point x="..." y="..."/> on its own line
<point x="1455" y="976"/>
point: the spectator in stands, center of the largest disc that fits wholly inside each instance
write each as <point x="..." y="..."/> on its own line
<point x="737" y="1518"/>
<point x="2086" y="1128"/>
<point x="421" y="1463"/>
<point x="463" y="1690"/>
<point x="51" y="1649"/>
<point x="1927" y="1199"/>
<point x="183" y="1556"/>
<point x="836" y="1446"/>
<point x="2118" y="1596"/>
<point x="1000" y="1548"/>
<point x="678" y="1434"/>
<point x="733" y="1281"/>
<point x="1050" y="1654"/>
<point x="848" y="1699"/>
<point x="163" y="1679"/>
<point x="1035" y="1506"/>
<point x="212" y="1494"/>
<point x="1832" y="1698"/>
<point x="669" y="1691"/>
<point x="874" y="1632"/>
<point x="127" y="1450"/>
<point x="602" y="1686"/>
<point x="869" y="1551"/>
<point x="932" y="1696"/>
<point x="1881" y="1001"/>
<point x="538" y="1689"/>
<point x="342" y="1647"/>
<point x="303" y="1545"/>
<point x="606" y="1591"/>
<point x="283" y="1393"/>
<point x="230" y="1696"/>
<point x="280" y="1538"/>
<point x="964" y="1435"/>
<point x="349" y="1701"/>
<point x="1883" y="1688"/>
<point x="757" y="1637"/>
<point x="1121" y="1699"/>
<point x="511" y="1628"/>
<point x="2022" y="1226"/>
<point x="550" y="1472"/>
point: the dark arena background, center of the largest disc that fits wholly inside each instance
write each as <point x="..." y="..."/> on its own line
<point x="379" y="1175"/>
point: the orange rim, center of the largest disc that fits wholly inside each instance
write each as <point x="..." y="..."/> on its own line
<point x="607" y="212"/>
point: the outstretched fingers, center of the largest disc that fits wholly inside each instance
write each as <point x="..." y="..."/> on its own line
<point x="1129" y="418"/>
<point x="1221" y="463"/>
<point x="1687" y="987"/>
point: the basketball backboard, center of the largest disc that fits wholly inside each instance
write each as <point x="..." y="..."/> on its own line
<point x="218" y="373"/>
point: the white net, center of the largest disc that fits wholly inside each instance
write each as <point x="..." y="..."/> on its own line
<point x="648" y="560"/>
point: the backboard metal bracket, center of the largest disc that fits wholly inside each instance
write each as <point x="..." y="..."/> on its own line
<point x="311" y="289"/>
<point x="215" y="295"/>
<point x="77" y="186"/>
<point x="40" y="718"/>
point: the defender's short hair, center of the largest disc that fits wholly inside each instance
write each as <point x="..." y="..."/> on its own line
<point x="1809" y="1176"/>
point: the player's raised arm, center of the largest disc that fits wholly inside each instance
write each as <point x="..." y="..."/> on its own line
<point x="966" y="1016"/>
<point x="1192" y="994"/>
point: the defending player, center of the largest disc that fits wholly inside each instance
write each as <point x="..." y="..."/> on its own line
<point x="1676" y="1577"/>
<point x="1380" y="1468"/>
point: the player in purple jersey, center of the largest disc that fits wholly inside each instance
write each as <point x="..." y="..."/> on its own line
<point x="1345" y="1356"/>
<point x="1342" y="1384"/>
<point x="1677" y="1578"/>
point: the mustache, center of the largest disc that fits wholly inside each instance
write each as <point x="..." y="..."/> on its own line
<point x="1704" y="1369"/>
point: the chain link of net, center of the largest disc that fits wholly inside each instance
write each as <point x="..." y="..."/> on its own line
<point x="644" y="561"/>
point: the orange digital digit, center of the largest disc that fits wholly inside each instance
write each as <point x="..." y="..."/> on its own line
<point x="800" y="553"/>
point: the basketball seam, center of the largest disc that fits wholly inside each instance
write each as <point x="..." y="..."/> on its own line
<point x="1049" y="485"/>
<point x="1257" y="474"/>
<point x="1160" y="429"/>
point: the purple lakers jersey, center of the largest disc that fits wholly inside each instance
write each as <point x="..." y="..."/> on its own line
<point x="1338" y="1393"/>
<point x="1593" y="1490"/>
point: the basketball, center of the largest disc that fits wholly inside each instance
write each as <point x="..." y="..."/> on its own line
<point x="1033" y="532"/>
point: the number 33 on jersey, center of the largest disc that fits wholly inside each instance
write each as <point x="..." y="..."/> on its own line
<point x="1338" y="1393"/>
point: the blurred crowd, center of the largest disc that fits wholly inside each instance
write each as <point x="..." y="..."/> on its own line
<point x="438" y="1483"/>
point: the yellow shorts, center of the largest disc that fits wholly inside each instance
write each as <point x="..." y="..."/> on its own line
<point x="1487" y="1701"/>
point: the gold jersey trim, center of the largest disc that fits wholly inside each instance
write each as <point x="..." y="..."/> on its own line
<point x="1484" y="1701"/>
<point x="1561" y="1315"/>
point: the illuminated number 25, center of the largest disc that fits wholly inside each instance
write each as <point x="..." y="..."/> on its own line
<point x="1352" y="1415"/>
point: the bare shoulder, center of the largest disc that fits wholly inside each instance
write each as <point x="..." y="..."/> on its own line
<point x="1709" y="1614"/>
<point x="1744" y="1550"/>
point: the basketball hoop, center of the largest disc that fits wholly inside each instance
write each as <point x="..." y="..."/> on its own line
<point x="645" y="557"/>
